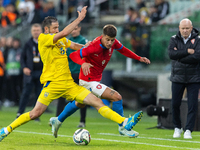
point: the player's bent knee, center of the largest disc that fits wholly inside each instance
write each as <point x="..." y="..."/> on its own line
<point x="79" y="105"/>
<point x="92" y="100"/>
<point x="118" y="97"/>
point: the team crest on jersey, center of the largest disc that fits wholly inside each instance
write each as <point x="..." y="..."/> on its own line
<point x="61" y="43"/>
<point x="192" y="41"/>
<point x="96" y="55"/>
<point x="99" y="86"/>
<point x="103" y="62"/>
<point x="46" y="94"/>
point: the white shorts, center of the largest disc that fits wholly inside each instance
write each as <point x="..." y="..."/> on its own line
<point x="95" y="87"/>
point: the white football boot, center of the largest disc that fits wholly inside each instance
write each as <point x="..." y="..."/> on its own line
<point x="55" y="124"/>
<point x="131" y="133"/>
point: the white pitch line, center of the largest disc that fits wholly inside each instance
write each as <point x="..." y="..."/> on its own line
<point x="101" y="139"/>
<point x="162" y="139"/>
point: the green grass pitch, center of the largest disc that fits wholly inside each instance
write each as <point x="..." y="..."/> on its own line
<point x="104" y="134"/>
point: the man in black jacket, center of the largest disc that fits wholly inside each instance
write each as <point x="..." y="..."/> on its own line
<point x="184" y="51"/>
<point x="32" y="68"/>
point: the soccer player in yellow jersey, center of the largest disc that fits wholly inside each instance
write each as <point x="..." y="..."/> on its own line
<point x="57" y="79"/>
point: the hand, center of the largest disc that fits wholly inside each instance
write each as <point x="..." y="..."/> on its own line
<point x="145" y="60"/>
<point x="82" y="14"/>
<point x="190" y="51"/>
<point x="88" y="43"/>
<point x="27" y="71"/>
<point x="86" y="68"/>
<point x="175" y="48"/>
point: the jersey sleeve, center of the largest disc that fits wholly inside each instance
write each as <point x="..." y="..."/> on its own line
<point x="67" y="42"/>
<point x="125" y="51"/>
<point x="75" y="57"/>
<point x="86" y="51"/>
<point x="118" y="45"/>
<point x="78" y="56"/>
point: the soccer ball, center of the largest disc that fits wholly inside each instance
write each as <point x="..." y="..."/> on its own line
<point x="81" y="137"/>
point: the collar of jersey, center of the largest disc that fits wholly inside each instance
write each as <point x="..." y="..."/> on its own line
<point x="102" y="46"/>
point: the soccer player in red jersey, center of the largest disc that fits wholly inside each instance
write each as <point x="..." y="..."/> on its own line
<point x="93" y="60"/>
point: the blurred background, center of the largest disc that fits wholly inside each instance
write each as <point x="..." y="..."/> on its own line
<point x="144" y="26"/>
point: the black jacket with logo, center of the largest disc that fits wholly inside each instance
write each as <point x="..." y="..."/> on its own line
<point x="185" y="66"/>
<point x="27" y="61"/>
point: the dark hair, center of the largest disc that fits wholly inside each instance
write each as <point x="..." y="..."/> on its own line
<point x="48" y="20"/>
<point x="110" y="30"/>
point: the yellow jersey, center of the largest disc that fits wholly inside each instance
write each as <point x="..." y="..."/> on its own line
<point x="54" y="58"/>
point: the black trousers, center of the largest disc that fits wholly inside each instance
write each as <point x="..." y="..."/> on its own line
<point x="62" y="102"/>
<point x="26" y="92"/>
<point x="192" y="101"/>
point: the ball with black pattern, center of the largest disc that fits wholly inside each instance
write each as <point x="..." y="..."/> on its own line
<point x="81" y="137"/>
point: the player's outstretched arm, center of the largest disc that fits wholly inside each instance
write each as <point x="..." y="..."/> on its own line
<point x="145" y="60"/>
<point x="68" y="29"/>
<point x="76" y="46"/>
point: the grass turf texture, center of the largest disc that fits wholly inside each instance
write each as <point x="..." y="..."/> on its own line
<point x="104" y="134"/>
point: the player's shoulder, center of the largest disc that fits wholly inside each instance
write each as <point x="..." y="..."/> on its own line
<point x="117" y="43"/>
<point x="44" y="35"/>
<point x="95" y="42"/>
<point x="41" y="35"/>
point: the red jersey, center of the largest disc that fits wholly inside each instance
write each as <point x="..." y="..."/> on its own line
<point x="99" y="56"/>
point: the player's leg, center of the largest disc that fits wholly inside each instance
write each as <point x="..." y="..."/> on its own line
<point x="101" y="90"/>
<point x="60" y="105"/>
<point x="116" y="98"/>
<point x="69" y="109"/>
<point x="41" y="105"/>
<point x="117" y="106"/>
<point x="22" y="119"/>
<point x="104" y="110"/>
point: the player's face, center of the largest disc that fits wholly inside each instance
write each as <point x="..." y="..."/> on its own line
<point x="76" y="31"/>
<point x="107" y="41"/>
<point x="54" y="28"/>
<point x="185" y="29"/>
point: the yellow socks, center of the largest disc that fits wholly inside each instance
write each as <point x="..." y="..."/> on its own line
<point x="19" y="121"/>
<point x="106" y="112"/>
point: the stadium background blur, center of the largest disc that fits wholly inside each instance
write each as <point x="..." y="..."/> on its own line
<point x="140" y="85"/>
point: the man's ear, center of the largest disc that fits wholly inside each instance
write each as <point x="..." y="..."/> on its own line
<point x="46" y="29"/>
